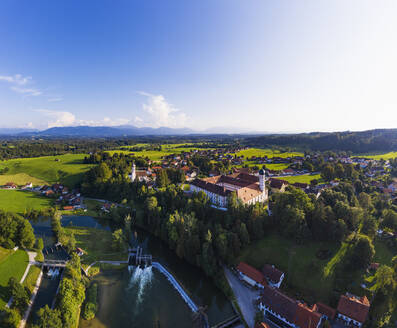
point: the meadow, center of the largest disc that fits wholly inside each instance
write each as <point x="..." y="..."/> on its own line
<point x="306" y="275"/>
<point x="305" y="178"/>
<point x="13" y="265"/>
<point x="66" y="169"/>
<point x="156" y="155"/>
<point x="384" y="156"/>
<point x="16" y="201"/>
<point x="87" y="239"/>
<point x="270" y="153"/>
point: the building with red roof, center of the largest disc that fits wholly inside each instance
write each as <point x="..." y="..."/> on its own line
<point x="251" y="275"/>
<point x="328" y="312"/>
<point x="353" y="309"/>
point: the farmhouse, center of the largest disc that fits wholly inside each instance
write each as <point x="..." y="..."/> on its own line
<point x="251" y="276"/>
<point x="353" y="309"/>
<point x="277" y="185"/>
<point x="287" y="312"/>
<point x="273" y="276"/>
<point x="249" y="189"/>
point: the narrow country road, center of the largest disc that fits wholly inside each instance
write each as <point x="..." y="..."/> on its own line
<point x="245" y="297"/>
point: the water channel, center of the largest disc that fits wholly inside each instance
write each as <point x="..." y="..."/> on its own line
<point x="140" y="297"/>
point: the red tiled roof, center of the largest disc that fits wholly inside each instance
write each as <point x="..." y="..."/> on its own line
<point x="252" y="273"/>
<point x="277" y="183"/>
<point x="210" y="187"/>
<point x="306" y="317"/>
<point x="354" y="307"/>
<point x="272" y="273"/>
<point x="326" y="310"/>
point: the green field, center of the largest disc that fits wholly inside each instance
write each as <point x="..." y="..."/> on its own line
<point x="266" y="152"/>
<point x="88" y="239"/>
<point x="16" y="201"/>
<point x="31" y="278"/>
<point x="384" y="156"/>
<point x="154" y="155"/>
<point x="20" y="179"/>
<point x="305" y="178"/>
<point x="306" y="276"/>
<point x="67" y="169"/>
<point x="13" y="265"/>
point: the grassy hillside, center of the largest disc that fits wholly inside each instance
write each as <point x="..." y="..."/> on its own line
<point x="266" y="152"/>
<point x="67" y="169"/>
<point x="16" y="201"/>
<point x="154" y="155"/>
<point x="13" y="265"/>
<point x="20" y="179"/>
<point x="307" y="276"/>
<point x="384" y="156"/>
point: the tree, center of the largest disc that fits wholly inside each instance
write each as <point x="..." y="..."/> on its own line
<point x="39" y="244"/>
<point x="26" y="235"/>
<point x="20" y="294"/>
<point x="362" y="252"/>
<point x="162" y="179"/>
<point x="118" y="240"/>
<point x="328" y="173"/>
<point x="385" y="282"/>
<point x="11" y="318"/>
<point x="47" y="318"/>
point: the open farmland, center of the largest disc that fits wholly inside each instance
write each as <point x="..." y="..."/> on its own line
<point x="66" y="169"/>
<point x="257" y="152"/>
<point x="384" y="156"/>
<point x="304" y="178"/>
<point x="16" y="201"/>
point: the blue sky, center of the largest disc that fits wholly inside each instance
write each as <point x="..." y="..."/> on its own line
<point x="254" y="65"/>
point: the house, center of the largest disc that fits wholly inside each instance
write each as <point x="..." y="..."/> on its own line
<point x="287" y="312"/>
<point x="79" y="251"/>
<point x="68" y="208"/>
<point x="250" y="275"/>
<point x="11" y="185"/>
<point x="273" y="276"/>
<point x="327" y="312"/>
<point x="353" y="309"/>
<point x="277" y="185"/>
<point x="373" y="266"/>
<point x="29" y="185"/>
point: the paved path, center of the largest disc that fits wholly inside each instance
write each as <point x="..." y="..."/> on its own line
<point x="245" y="297"/>
<point x="32" y="256"/>
<point x="22" y="324"/>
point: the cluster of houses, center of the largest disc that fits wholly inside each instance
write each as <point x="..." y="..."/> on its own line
<point x="70" y="199"/>
<point x="285" y="311"/>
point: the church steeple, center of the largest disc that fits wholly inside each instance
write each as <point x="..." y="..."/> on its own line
<point x="133" y="172"/>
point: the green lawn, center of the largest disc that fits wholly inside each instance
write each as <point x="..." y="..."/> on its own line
<point x="154" y="155"/>
<point x="17" y="201"/>
<point x="96" y="244"/>
<point x="384" y="156"/>
<point x="383" y="253"/>
<point x="303" y="270"/>
<point x="12" y="266"/>
<point x="266" y="152"/>
<point x="67" y="169"/>
<point x="31" y="278"/>
<point x="305" y="178"/>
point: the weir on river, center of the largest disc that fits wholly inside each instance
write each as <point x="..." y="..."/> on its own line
<point x="176" y="285"/>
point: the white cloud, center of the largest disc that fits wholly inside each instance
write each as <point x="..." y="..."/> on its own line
<point x="54" y="99"/>
<point x="159" y="113"/>
<point x="58" y="118"/>
<point x="27" y="91"/>
<point x="16" y="79"/>
<point x="64" y="118"/>
<point x="20" y="84"/>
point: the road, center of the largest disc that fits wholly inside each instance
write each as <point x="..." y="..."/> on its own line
<point x="245" y="297"/>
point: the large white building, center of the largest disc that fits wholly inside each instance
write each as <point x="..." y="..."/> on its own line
<point x="250" y="189"/>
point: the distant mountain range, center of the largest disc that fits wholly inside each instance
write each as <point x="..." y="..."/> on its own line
<point x="116" y="131"/>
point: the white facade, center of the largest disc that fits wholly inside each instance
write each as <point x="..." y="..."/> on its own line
<point x="250" y="281"/>
<point x="349" y="320"/>
<point x="133" y="172"/>
<point x="216" y="199"/>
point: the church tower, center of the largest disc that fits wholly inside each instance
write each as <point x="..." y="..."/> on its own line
<point x="133" y="172"/>
<point x="262" y="180"/>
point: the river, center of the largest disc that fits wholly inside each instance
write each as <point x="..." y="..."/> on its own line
<point x="145" y="298"/>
